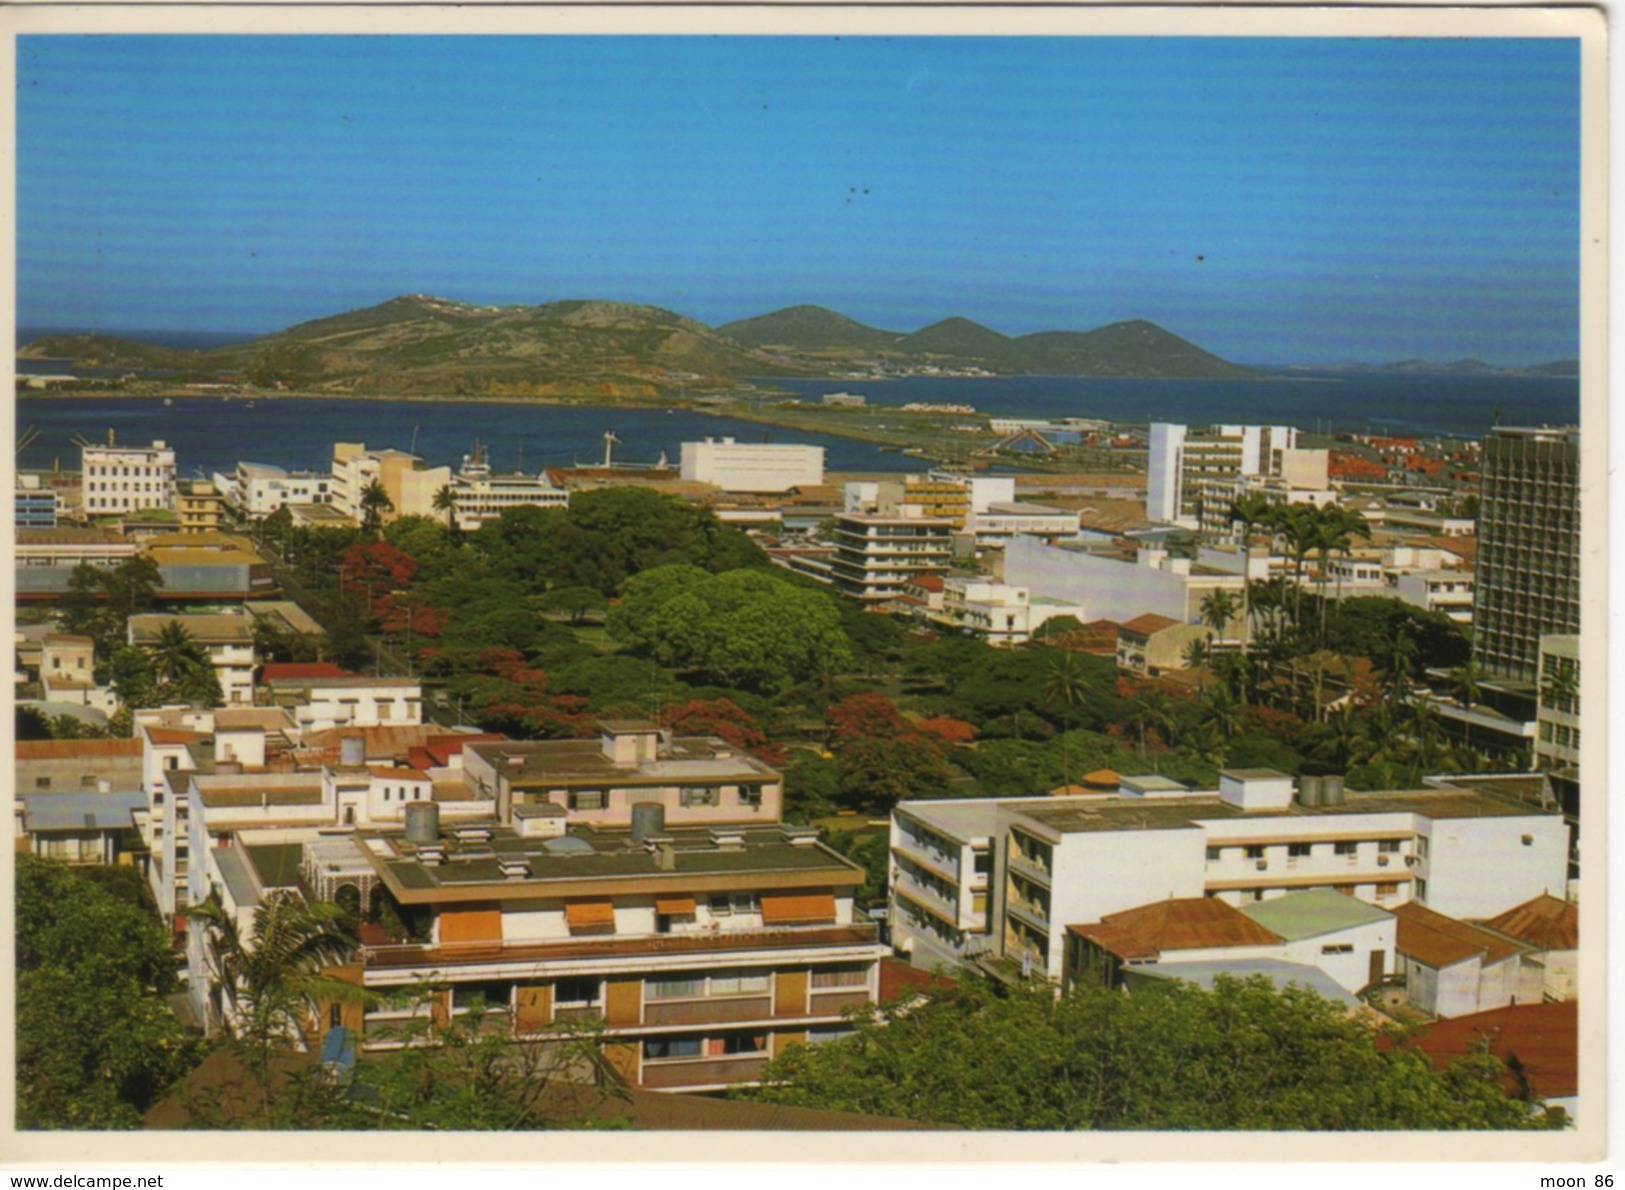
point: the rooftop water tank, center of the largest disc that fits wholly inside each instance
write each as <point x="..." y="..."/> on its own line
<point x="422" y="823"/>
<point x="648" y="819"/>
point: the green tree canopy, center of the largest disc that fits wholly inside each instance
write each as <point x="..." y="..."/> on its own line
<point x="96" y="1043"/>
<point x="1241" y="1056"/>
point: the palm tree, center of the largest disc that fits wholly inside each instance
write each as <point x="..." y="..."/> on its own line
<point x="1065" y="688"/>
<point x="1335" y="529"/>
<point x="1300" y="526"/>
<point x="1218" y="609"/>
<point x="1467" y="688"/>
<point x="272" y="981"/>
<point x="1249" y="510"/>
<point x="181" y="663"/>
<point x="445" y="502"/>
<point x="375" y="502"/>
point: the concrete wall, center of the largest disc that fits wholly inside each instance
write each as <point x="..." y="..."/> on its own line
<point x="1352" y="971"/>
<point x="1481" y="867"/>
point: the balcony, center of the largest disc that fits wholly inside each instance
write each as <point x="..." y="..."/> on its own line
<point x="704" y="943"/>
<point x="703" y="1072"/>
<point x="707" y="1011"/>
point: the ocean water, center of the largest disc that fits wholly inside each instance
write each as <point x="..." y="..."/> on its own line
<point x="210" y="435"/>
<point x="1460" y="406"/>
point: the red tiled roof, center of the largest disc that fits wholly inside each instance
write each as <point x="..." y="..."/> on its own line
<point x="1147" y="624"/>
<point x="926" y="582"/>
<point x="441" y="748"/>
<point x="1182" y="923"/>
<point x="76" y="749"/>
<point x="1543" y="1041"/>
<point x="1546" y="923"/>
<point x="897" y="977"/>
<point x="173" y="735"/>
<point x="1437" y="941"/>
<point x="282" y="671"/>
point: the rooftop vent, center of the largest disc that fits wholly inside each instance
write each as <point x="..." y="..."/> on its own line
<point x="800" y="836"/>
<point x="728" y="838"/>
<point x="473" y="834"/>
<point x="431" y="857"/>
<point x="515" y="869"/>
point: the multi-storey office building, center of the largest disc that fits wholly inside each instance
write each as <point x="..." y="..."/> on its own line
<point x="1070" y="860"/>
<point x="1528" y="573"/>
<point x="875" y="556"/>
<point x="410" y="486"/>
<point x="256" y="490"/>
<point x="479" y="495"/>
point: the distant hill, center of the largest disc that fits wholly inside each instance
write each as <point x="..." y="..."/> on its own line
<point x="420" y="344"/>
<point x="1460" y="367"/>
<point x="808" y="328"/>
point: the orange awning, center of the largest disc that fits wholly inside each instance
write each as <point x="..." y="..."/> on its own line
<point x="805" y="909"/>
<point x="462" y="927"/>
<point x="674" y="906"/>
<point x="590" y="917"/>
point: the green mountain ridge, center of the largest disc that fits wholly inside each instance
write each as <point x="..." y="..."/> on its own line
<point x="417" y="344"/>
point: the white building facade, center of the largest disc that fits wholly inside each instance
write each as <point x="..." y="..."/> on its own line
<point x="752" y="466"/>
<point x="117" y="480"/>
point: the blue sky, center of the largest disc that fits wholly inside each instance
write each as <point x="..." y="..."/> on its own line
<point x="1271" y="200"/>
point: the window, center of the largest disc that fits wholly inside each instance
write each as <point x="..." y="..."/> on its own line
<point x="827" y="1034"/>
<point x="982" y="862"/>
<point x="850" y="976"/>
<point x="1299" y="850"/>
<point x="1215" y="853"/>
<point x="676" y="987"/>
<point x="699" y="795"/>
<point x="486" y="995"/>
<point x="42" y="782"/>
<point x="738" y="983"/>
<point x="750" y="795"/>
<point x="1387" y="890"/>
<point x="744" y="902"/>
<point x="721" y="905"/>
<point x="1422" y="846"/>
<point x="1421" y="889"/>
<point x="587" y="799"/>
<point x="580" y="990"/>
<point x="744" y="1043"/>
<point x="1346" y="848"/>
<point x="672" y="1047"/>
<point x="1255" y="852"/>
<point x="1338" y="948"/>
<point x="1389" y="846"/>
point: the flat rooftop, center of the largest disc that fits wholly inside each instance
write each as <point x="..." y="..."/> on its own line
<point x="557" y="763"/>
<point x="1070" y="815"/>
<point x="585" y="854"/>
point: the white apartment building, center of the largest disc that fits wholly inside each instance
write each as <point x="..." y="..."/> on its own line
<point x="228" y="639"/>
<point x="752" y="466"/>
<point x="1063" y="861"/>
<point x="1111" y="584"/>
<point x="1447" y="591"/>
<point x="319" y="703"/>
<point x="941" y="869"/>
<point x="1183" y="459"/>
<point x="256" y="490"/>
<point x="1000" y="614"/>
<point x="876" y="556"/>
<point x="117" y="480"/>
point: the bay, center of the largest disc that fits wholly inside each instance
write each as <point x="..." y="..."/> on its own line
<point x="1434" y="404"/>
<point x="210" y="435"/>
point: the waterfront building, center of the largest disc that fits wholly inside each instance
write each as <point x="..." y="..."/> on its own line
<point x="256" y="490"/>
<point x="478" y="495"/>
<point x="36" y="505"/>
<point x="410" y="485"/>
<point x="1528" y="547"/>
<point x="117" y="480"/>
<point x="1060" y="861"/>
<point x="1184" y="460"/>
<point x="752" y="466"/>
